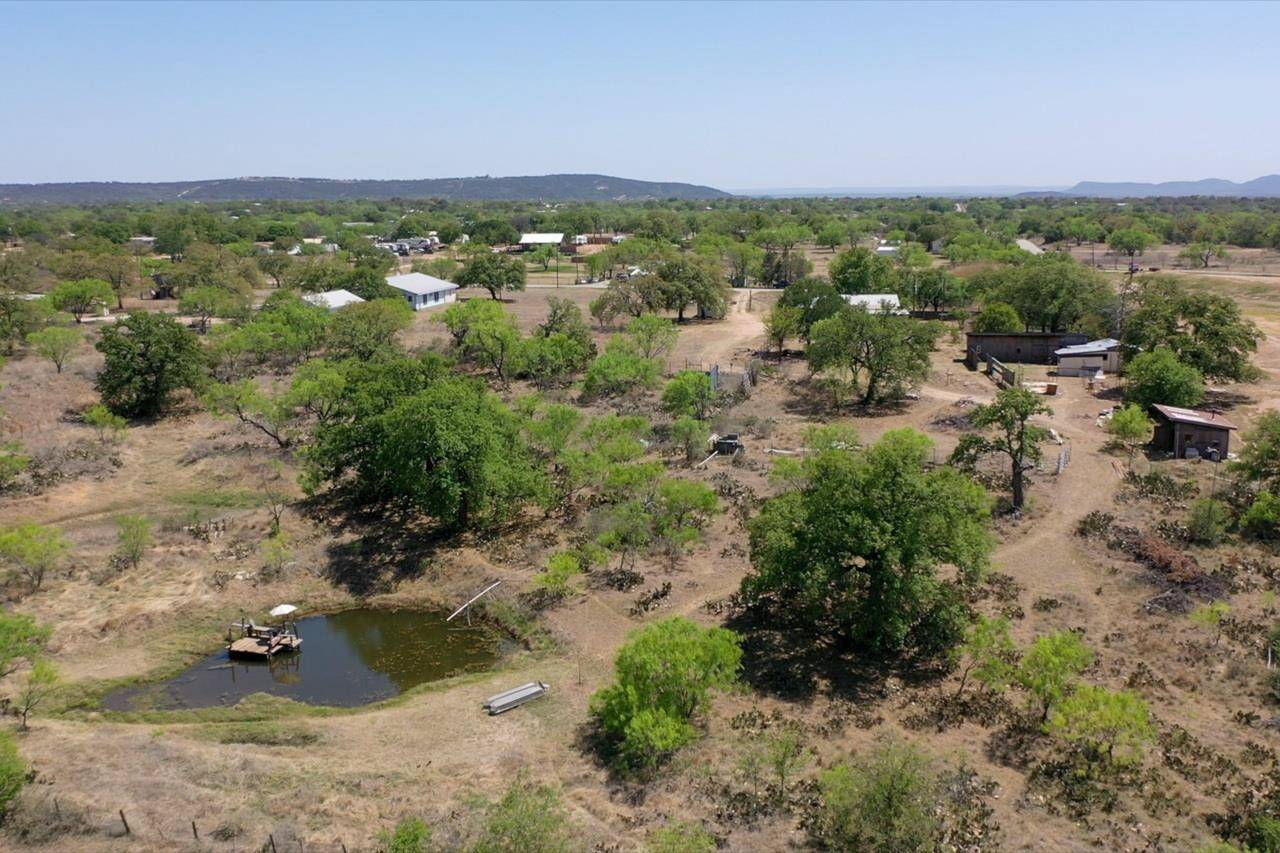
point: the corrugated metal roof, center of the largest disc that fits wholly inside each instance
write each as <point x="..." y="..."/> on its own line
<point x="420" y="284"/>
<point x="539" y="238"/>
<point x="1191" y="416"/>
<point x="1091" y="348"/>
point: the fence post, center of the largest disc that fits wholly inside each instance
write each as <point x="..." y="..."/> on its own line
<point x="127" y="831"/>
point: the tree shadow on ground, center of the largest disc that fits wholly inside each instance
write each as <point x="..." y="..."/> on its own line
<point x="395" y="541"/>
<point x="785" y="658"/>
<point x="1226" y="400"/>
<point x="811" y="398"/>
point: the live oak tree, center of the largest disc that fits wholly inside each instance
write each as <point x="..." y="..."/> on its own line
<point x="860" y="270"/>
<point x="815" y="299"/>
<point x="496" y="273"/>
<point x="852" y="551"/>
<point x="1009" y="433"/>
<point x="1131" y="241"/>
<point x="882" y="355"/>
<point x="1204" y="329"/>
<point x="998" y="317"/>
<point x="1202" y="253"/>
<point x="451" y="450"/>
<point x="148" y="357"/>
<point x="1159" y="377"/>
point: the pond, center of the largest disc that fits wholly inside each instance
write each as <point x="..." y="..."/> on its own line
<point x="350" y="658"/>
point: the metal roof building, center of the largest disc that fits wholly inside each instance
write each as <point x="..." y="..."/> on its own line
<point x="1178" y="430"/>
<point x="332" y="299"/>
<point x="422" y="290"/>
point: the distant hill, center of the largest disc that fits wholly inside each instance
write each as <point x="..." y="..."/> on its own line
<point x="529" y="188"/>
<point x="1266" y="186"/>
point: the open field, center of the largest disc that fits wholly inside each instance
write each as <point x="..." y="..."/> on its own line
<point x="424" y="753"/>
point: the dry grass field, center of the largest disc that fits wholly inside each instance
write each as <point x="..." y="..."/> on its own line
<point x="425" y="753"/>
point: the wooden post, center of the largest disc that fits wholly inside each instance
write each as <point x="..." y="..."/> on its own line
<point x="271" y="839"/>
<point x="127" y="831"/>
<point x="194" y="833"/>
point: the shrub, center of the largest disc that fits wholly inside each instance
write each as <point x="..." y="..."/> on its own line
<point x="134" y="533"/>
<point x="690" y="435"/>
<point x="1262" y="519"/>
<point x="411" y="835"/>
<point x="1050" y="666"/>
<point x="1207" y="522"/>
<point x="559" y="579"/>
<point x="884" y="802"/>
<point x="689" y="394"/>
<point x="108" y="426"/>
<point x="13" y="770"/>
<point x="1210" y="616"/>
<point x="680" y="837"/>
<point x="1113" y="727"/>
<point x="55" y="343"/>
<point x="665" y="673"/>
<point x="618" y="370"/>
<point x="529" y="817"/>
<point x="32" y="550"/>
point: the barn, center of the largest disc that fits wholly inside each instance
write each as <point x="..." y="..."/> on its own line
<point x="1017" y="347"/>
<point x="1178" y="430"/>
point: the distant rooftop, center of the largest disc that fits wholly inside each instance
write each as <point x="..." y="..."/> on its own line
<point x="539" y="238"/>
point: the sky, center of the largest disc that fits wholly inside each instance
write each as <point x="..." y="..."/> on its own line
<point x="734" y="95"/>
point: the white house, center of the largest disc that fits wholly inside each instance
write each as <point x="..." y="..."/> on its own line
<point x="424" y="291"/>
<point x="875" y="303"/>
<point x="1088" y="358"/>
<point x="332" y="299"/>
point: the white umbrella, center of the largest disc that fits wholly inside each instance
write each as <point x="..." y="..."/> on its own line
<point x="283" y="609"/>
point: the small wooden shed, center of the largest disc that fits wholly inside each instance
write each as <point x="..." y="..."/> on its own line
<point x="1178" y="430"/>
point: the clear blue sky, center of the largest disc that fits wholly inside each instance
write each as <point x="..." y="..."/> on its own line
<point x="733" y="95"/>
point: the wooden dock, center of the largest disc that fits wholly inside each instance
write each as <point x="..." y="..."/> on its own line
<point x="263" y="643"/>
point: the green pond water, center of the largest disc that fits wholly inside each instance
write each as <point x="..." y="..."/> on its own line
<point x="350" y="658"/>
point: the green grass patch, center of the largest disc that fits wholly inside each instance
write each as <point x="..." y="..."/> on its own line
<point x="263" y="733"/>
<point x="221" y="498"/>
